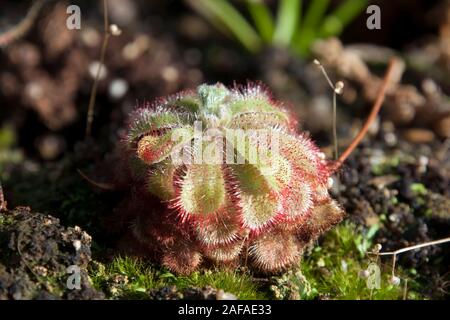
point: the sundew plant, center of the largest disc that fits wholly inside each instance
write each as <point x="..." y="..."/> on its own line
<point x="246" y="188"/>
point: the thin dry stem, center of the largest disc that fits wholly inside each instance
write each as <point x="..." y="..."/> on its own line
<point x="100" y="185"/>
<point x="394" y="260"/>
<point x="336" y="90"/>
<point x="335" y="137"/>
<point x="399" y="251"/>
<point x="373" y="114"/>
<point x="19" y="30"/>
<point x="324" y="72"/>
<point x="405" y="290"/>
<point x="91" y="107"/>
<point x="418" y="246"/>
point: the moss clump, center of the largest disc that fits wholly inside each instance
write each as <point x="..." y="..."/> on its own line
<point x="292" y="286"/>
<point x="438" y="206"/>
<point x="385" y="165"/>
<point x="131" y="278"/>
<point x="5" y="220"/>
<point x="333" y="268"/>
<point x="330" y="271"/>
<point x="418" y="189"/>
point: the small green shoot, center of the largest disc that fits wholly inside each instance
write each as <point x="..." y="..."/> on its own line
<point x="288" y="18"/>
<point x="263" y="19"/>
<point x="223" y="13"/>
<point x="290" y="29"/>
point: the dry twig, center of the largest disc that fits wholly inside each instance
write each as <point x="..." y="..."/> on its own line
<point x="2" y="198"/>
<point x="19" y="30"/>
<point x="90" y="114"/>
<point x="418" y="246"/>
<point x="109" y="30"/>
<point x="373" y="114"/>
<point x="399" y="251"/>
<point x="337" y="90"/>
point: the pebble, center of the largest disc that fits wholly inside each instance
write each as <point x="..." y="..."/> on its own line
<point x="417" y="135"/>
<point x="77" y="244"/>
<point x="118" y="88"/>
<point x="93" y="69"/>
<point x="443" y="127"/>
<point x="170" y="74"/>
<point x="344" y="266"/>
<point x="222" y="295"/>
<point x="50" y="146"/>
<point x="390" y="139"/>
<point x="394" y="280"/>
<point x="364" y="274"/>
<point x="136" y="48"/>
<point x="423" y="164"/>
<point x="330" y="183"/>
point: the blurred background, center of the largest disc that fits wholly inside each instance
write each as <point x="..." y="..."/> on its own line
<point x="47" y="72"/>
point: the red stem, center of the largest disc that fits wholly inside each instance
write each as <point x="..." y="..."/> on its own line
<point x="373" y="115"/>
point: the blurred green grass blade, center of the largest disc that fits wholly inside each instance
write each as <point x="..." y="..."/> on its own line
<point x="349" y="10"/>
<point x="221" y="11"/>
<point x="303" y="41"/>
<point x="314" y="15"/>
<point x="335" y="23"/>
<point x="288" y="18"/>
<point x="308" y="29"/>
<point x="263" y="19"/>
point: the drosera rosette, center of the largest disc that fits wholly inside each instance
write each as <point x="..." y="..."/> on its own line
<point x="236" y="182"/>
<point x="245" y="183"/>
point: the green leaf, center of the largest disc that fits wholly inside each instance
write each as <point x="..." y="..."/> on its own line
<point x="161" y="181"/>
<point x="308" y="30"/>
<point x="203" y="190"/>
<point x="263" y="19"/>
<point x="418" y="189"/>
<point x="288" y="18"/>
<point x="259" y="203"/>
<point x="372" y="232"/>
<point x="155" y="148"/>
<point x="335" y="23"/>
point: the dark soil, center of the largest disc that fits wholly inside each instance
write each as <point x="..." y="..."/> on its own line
<point x="411" y="203"/>
<point x="44" y="92"/>
<point x="35" y="251"/>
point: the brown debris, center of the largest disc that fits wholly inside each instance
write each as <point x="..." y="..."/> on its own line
<point x="405" y="104"/>
<point x="3" y="202"/>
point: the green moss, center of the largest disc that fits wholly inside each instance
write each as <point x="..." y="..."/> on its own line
<point x="7" y="138"/>
<point x="126" y="278"/>
<point x="386" y="166"/>
<point x="436" y="206"/>
<point x="238" y="283"/>
<point x="330" y="271"/>
<point x="131" y="278"/>
<point x="9" y="156"/>
<point x="292" y="285"/>
<point x="418" y="189"/>
<point x="333" y="268"/>
<point x="5" y="220"/>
